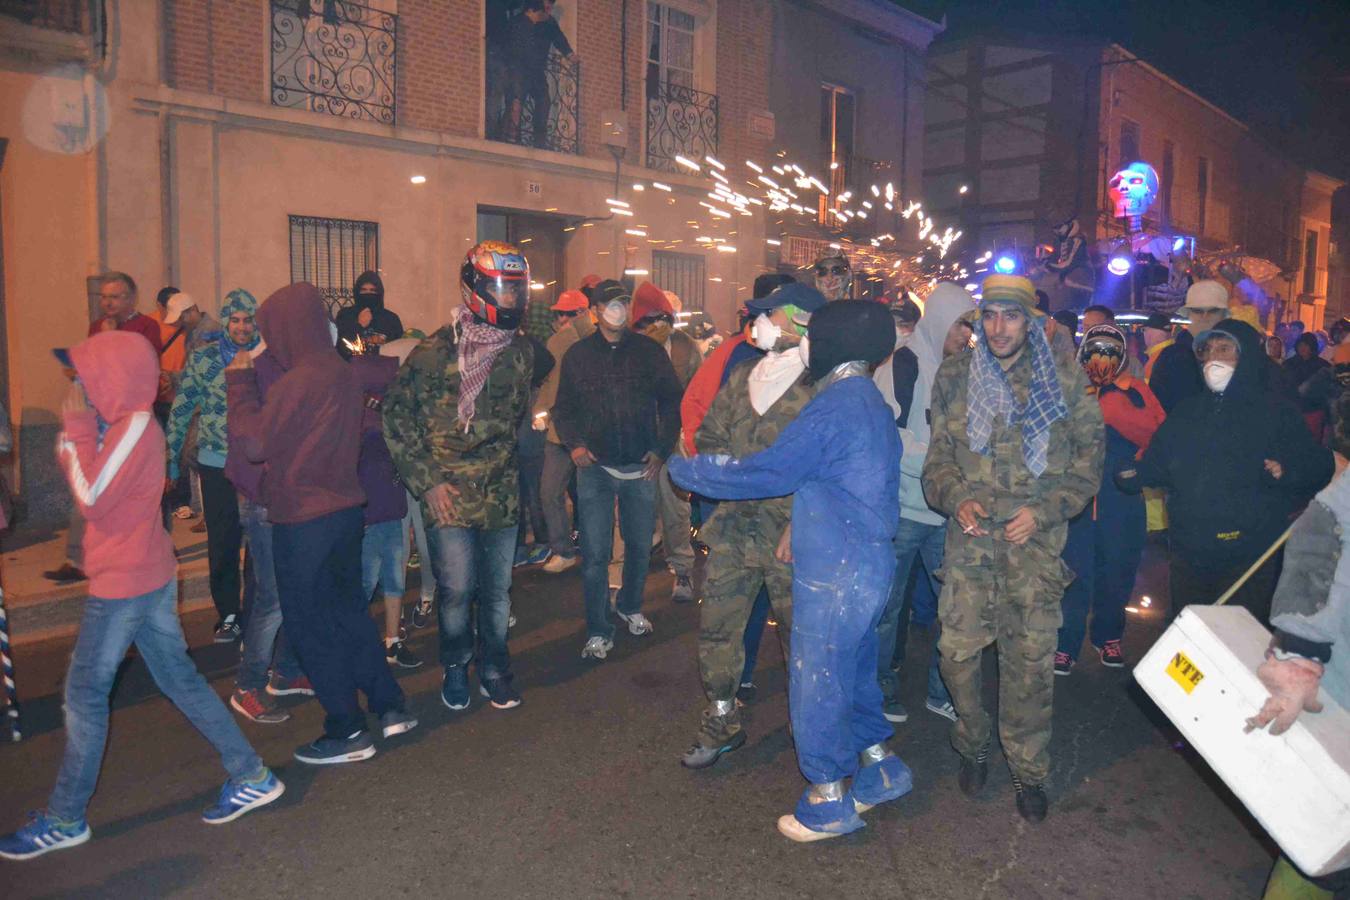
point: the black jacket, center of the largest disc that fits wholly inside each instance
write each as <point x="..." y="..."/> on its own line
<point x="383" y="321"/>
<point x="1176" y="374"/>
<point x="620" y="401"/>
<point x="1224" y="509"/>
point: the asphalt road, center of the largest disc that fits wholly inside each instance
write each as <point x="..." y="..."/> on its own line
<point x="578" y="793"/>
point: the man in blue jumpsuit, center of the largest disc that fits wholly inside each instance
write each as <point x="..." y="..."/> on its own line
<point x="840" y="458"/>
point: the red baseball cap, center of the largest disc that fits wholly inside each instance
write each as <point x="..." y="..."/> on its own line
<point x="570" y="301"/>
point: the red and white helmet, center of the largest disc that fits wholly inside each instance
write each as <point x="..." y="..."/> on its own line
<point x="495" y="284"/>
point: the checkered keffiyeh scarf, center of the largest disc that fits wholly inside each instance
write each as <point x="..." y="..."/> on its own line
<point x="479" y="346"/>
<point x="990" y="399"/>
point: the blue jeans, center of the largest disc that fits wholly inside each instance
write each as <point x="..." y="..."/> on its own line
<point x="108" y="628"/>
<point x="1104" y="553"/>
<point x="596" y="492"/>
<point x="327" y="621"/>
<point x="924" y="542"/>
<point x="384" y="559"/>
<point x="264" y="639"/>
<point x="473" y="567"/>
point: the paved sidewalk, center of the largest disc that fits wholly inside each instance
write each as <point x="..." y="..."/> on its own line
<point x="40" y="609"/>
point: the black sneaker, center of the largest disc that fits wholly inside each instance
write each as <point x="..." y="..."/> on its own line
<point x="327" y="751"/>
<point x="1032" y="803"/>
<point x="683" y="591"/>
<point x="746" y="692"/>
<point x="500" y="692"/>
<point x="974" y="773"/>
<point x="227" y="629"/>
<point x="717" y="736"/>
<point x="398" y="654"/>
<point x="1063" y="663"/>
<point x="67" y="574"/>
<point x="421" y="613"/>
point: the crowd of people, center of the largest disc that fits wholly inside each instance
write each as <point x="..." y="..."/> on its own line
<point x="975" y="468"/>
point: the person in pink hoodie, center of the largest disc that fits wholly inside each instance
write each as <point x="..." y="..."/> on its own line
<point x="112" y="452"/>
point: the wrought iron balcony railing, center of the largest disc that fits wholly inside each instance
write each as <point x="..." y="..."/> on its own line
<point x="336" y="57"/>
<point x="73" y="16"/>
<point x="560" y="89"/>
<point x="680" y="122"/>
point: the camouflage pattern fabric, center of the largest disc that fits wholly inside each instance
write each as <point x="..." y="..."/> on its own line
<point x="429" y="446"/>
<point x="997" y="593"/>
<point x="741" y="537"/>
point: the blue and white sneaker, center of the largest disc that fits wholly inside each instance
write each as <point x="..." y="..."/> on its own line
<point x="43" y="834"/>
<point x="239" y="797"/>
<point x="455" y="688"/>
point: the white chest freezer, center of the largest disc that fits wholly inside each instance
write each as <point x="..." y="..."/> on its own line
<point x="1202" y="673"/>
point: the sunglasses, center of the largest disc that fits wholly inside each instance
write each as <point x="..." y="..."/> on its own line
<point x="822" y="271"/>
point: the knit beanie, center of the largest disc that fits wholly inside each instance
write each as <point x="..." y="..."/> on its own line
<point x="1010" y="289"/>
<point x="849" y="330"/>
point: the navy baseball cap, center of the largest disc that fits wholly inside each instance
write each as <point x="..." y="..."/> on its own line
<point x="802" y="296"/>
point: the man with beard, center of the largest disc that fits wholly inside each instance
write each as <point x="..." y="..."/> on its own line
<point x="747" y="539"/>
<point x="367" y="321"/>
<point x="1016" y="452"/>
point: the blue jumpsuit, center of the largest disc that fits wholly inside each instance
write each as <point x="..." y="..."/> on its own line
<point x="841" y="459"/>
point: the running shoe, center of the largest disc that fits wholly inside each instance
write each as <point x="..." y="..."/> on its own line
<point x="43" y="834"/>
<point x="280" y="686"/>
<point x="638" y="624"/>
<point x="328" y="751"/>
<point x="257" y="706"/>
<point x="500" y="692"/>
<point x="240" y="797"/>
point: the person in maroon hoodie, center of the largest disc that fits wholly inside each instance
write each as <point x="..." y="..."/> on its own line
<point x="308" y="434"/>
<point x="112" y="451"/>
<point x="264" y="639"/>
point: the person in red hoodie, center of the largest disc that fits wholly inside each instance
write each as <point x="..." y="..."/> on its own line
<point x="308" y="433"/>
<point x="111" y="450"/>
<point x="1106" y="539"/>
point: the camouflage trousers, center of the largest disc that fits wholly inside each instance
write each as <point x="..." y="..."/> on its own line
<point x="1014" y="604"/>
<point x="736" y="570"/>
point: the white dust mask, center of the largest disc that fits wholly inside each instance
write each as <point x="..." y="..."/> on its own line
<point x="1218" y="375"/>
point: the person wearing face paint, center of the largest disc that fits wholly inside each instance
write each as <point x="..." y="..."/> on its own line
<point x="1236" y="461"/>
<point x="748" y="539"/>
<point x="618" y="413"/>
<point x="839" y="459"/>
<point x="1015" y="452"/>
<point x="654" y="316"/>
<point x="834" y="277"/>
<point x="1106" y="540"/>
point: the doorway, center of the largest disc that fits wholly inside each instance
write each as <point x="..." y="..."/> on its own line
<point x="542" y="240"/>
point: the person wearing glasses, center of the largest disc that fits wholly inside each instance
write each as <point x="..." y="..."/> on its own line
<point x="1175" y="374"/>
<point x="834" y="277"/>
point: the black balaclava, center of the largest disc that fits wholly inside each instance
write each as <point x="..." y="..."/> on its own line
<point x="374" y="303"/>
<point x="848" y="330"/>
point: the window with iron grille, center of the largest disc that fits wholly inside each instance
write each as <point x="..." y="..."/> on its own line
<point x="335" y="56"/>
<point x="686" y="274"/>
<point x="330" y="253"/>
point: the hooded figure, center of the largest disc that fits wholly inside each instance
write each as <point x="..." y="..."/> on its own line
<point x="840" y="459"/>
<point x="366" y="321"/>
<point x="1236" y="462"/>
<point x="308" y="432"/>
<point x="117" y="477"/>
<point x="1106" y="540"/>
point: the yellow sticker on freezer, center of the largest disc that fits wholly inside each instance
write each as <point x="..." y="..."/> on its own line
<point x="1184" y="672"/>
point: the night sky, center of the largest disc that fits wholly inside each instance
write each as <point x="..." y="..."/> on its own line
<point x="1283" y="68"/>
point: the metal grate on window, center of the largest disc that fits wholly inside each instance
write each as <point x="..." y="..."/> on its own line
<point x="330" y="253"/>
<point x="684" y="273"/>
<point x="335" y="56"/>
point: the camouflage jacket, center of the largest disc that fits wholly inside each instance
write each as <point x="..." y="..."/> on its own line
<point x="429" y="446"/>
<point x="733" y="427"/>
<point x="1000" y="480"/>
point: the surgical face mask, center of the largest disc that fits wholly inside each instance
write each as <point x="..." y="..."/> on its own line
<point x="615" y="314"/>
<point x="804" y="348"/>
<point x="1218" y="375"/>
<point x="765" y="333"/>
<point x="659" y="331"/>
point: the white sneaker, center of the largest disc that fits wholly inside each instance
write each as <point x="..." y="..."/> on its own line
<point x="597" y="648"/>
<point x="559" y="563"/>
<point x="638" y="624"/>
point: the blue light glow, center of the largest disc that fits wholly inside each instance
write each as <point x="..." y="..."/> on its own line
<point x="1178" y="244"/>
<point x="1118" y="265"/>
<point x="1005" y="265"/>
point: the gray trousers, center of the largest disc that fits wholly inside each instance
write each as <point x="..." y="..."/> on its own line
<point x="673" y="514"/>
<point x="558" y="468"/>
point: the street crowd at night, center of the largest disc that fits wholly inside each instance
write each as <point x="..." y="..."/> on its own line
<point x="932" y="447"/>
<point x="818" y="458"/>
